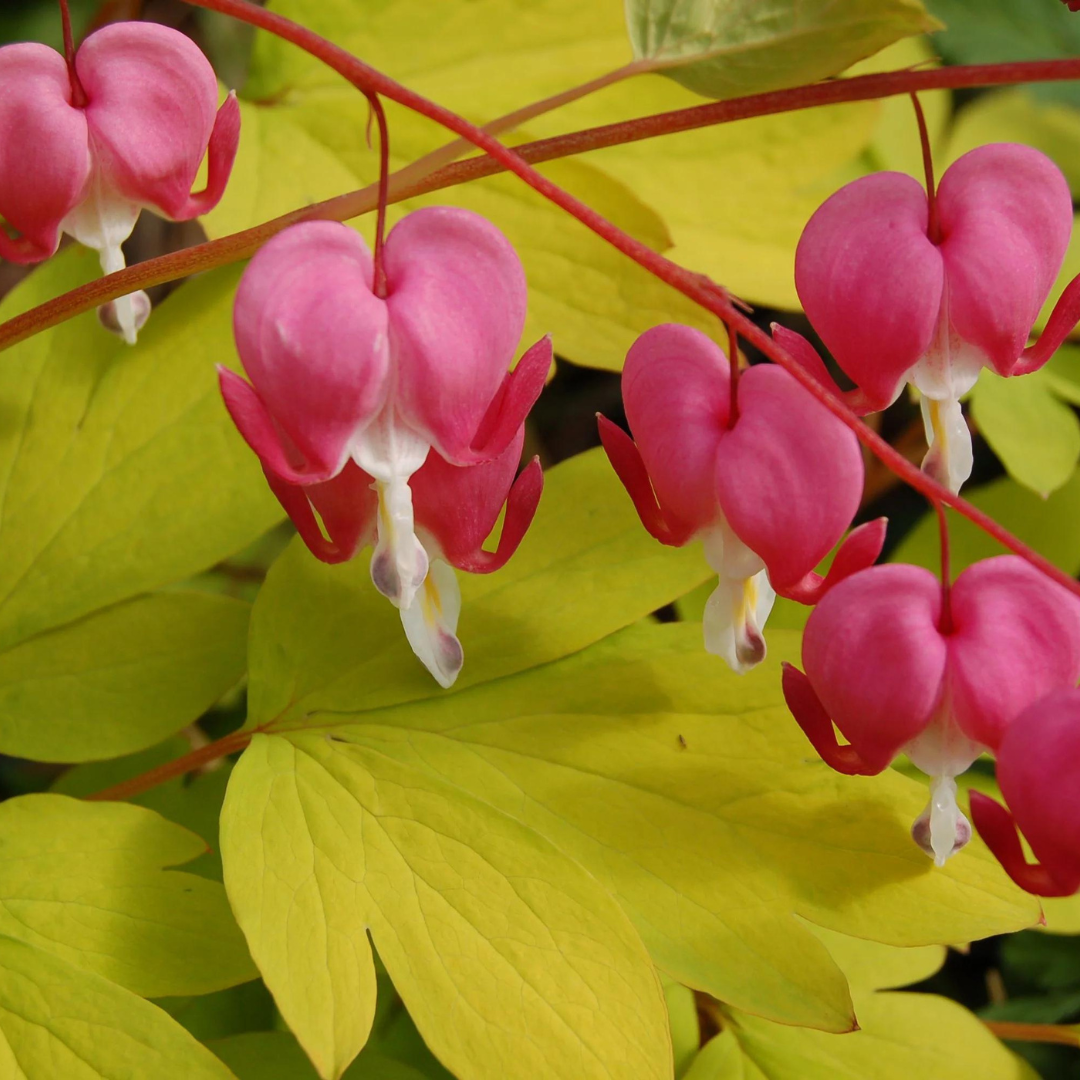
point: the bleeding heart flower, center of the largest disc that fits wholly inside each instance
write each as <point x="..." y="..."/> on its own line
<point x="393" y="419"/>
<point x="899" y="665"/>
<point x="768" y="481"/>
<point x="84" y="151"/>
<point x="1038" y="769"/>
<point x="897" y="300"/>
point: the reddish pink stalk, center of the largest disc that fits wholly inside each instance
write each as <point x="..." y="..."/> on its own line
<point x="379" y="286"/>
<point x="78" y="94"/>
<point x="933" y="225"/>
<point x="170" y="770"/>
<point x="946" y="623"/>
<point x="695" y="287"/>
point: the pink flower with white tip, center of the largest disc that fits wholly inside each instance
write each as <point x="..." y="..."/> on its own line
<point x="83" y="151"/>
<point x="905" y="289"/>
<point x="1038" y="769"/>
<point x="393" y="418"/>
<point x="900" y="664"/>
<point x="767" y="479"/>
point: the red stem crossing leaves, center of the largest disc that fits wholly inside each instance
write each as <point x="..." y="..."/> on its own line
<point x="696" y="287"/>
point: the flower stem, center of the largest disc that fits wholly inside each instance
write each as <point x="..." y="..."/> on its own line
<point x="1062" y="1034"/>
<point x="78" y="94"/>
<point x="170" y="770"/>
<point x="411" y="181"/>
<point x="945" y="624"/>
<point x="933" y="226"/>
<point x="694" y="286"/>
<point x="379" y="272"/>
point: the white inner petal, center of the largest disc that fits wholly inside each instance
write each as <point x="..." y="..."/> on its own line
<point x="942" y="751"/>
<point x="431" y="624"/>
<point x="103" y="221"/>
<point x="951" y="365"/>
<point x="391" y="452"/>
<point x="739" y="606"/>
<point x="949" y="458"/>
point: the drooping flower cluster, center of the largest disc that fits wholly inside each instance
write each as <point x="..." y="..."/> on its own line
<point x="392" y="419"/>
<point x="902" y="287"/>
<point x="765" y="476"/>
<point x="383" y="413"/>
<point x="82" y="151"/>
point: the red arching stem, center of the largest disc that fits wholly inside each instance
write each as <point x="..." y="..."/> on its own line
<point x="177" y="767"/>
<point x="694" y="286"/>
<point x="379" y="273"/>
<point x="946" y="623"/>
<point x="933" y="227"/>
<point x="242" y="245"/>
<point x="78" y="94"/>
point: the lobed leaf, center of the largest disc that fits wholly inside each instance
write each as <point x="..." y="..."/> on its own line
<point x="120" y="473"/>
<point x="88" y="882"/>
<point x="324" y="842"/>
<point x="710" y="846"/>
<point x="57" y="1020"/>
<point x="122" y="678"/>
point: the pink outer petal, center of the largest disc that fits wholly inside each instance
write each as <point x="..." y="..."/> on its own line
<point x="625" y="458"/>
<point x="256" y="425"/>
<point x="220" y="157"/>
<point x="675" y="388"/>
<point x="44" y="149"/>
<point x="998" y="830"/>
<point x="347" y="506"/>
<point x="1016" y="638"/>
<point x="860" y="549"/>
<point x="874" y="656"/>
<point x="789" y="475"/>
<point x="513" y="401"/>
<point x="1006" y="218"/>
<point x="1039" y="773"/>
<point x="151" y="100"/>
<point x="870" y="280"/>
<point x="806" y="356"/>
<point x="459" y="505"/>
<point x="313" y="338"/>
<point x="457" y="308"/>
<point x="817" y="726"/>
